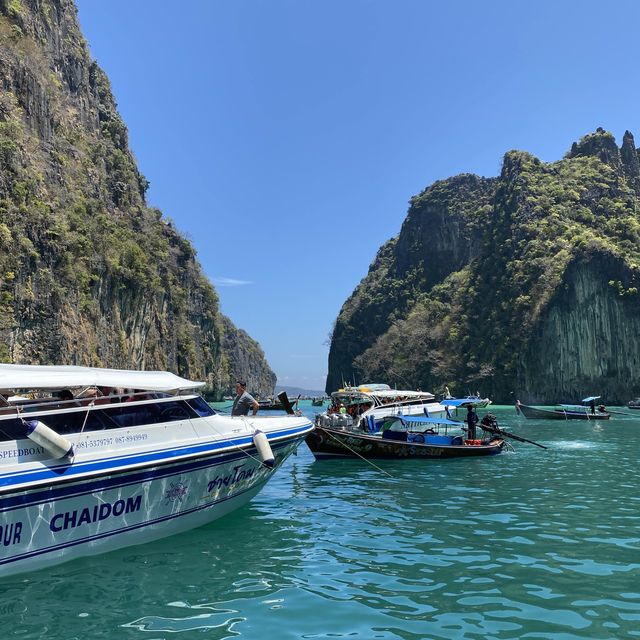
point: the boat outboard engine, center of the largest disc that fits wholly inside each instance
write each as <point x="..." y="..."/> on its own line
<point x="489" y="420"/>
<point x="346" y="420"/>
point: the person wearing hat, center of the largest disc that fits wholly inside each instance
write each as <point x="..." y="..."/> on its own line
<point x="243" y="401"/>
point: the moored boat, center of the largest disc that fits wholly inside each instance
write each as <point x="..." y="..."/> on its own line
<point x="634" y="404"/>
<point x="378" y="402"/>
<point x="401" y="438"/>
<point x="468" y="401"/>
<point x="271" y="404"/>
<point x="561" y="412"/>
<point x="96" y="472"/>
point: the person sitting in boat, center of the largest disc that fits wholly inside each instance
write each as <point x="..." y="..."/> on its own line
<point x="138" y="394"/>
<point x="243" y="401"/>
<point x="472" y="421"/>
<point x="602" y="408"/>
<point x="102" y="395"/>
<point x="342" y="408"/>
<point x="65" y="394"/>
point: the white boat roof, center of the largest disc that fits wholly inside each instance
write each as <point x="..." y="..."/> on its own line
<point x="22" y="376"/>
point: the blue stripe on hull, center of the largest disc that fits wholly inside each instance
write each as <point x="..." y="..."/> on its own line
<point x="104" y="464"/>
<point x="124" y="478"/>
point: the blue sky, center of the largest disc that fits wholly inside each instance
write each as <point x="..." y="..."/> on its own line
<point x="285" y="137"/>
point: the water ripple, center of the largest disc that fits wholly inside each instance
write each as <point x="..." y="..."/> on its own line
<point x="540" y="544"/>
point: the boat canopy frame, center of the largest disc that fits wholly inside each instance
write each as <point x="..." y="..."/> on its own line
<point x="43" y="377"/>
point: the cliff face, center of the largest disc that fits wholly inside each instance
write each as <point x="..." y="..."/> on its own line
<point x="525" y="283"/>
<point x="89" y="274"/>
<point x="244" y="355"/>
<point x="588" y="339"/>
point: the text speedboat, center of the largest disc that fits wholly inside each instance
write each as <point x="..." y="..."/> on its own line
<point x="92" y="474"/>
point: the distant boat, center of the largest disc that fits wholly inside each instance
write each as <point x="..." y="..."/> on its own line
<point x="271" y="404"/>
<point x="634" y="404"/>
<point x="317" y="402"/>
<point x="561" y="412"/>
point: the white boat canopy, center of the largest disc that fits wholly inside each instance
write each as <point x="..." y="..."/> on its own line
<point x="21" y="376"/>
<point x="387" y="393"/>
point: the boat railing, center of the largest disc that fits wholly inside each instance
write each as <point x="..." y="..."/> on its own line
<point x="43" y="406"/>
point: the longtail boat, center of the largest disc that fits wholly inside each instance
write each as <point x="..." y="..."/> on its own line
<point x="400" y="438"/>
<point x="562" y="412"/>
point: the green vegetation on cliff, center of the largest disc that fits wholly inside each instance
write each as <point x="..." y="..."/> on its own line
<point x="89" y="274"/>
<point x="487" y="275"/>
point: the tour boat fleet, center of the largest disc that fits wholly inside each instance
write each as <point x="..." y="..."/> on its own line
<point x="93" y="473"/>
<point x="361" y="404"/>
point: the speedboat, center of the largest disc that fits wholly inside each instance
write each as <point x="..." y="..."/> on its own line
<point x="108" y="468"/>
<point x="364" y="403"/>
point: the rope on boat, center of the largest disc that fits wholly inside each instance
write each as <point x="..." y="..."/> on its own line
<point x="232" y="442"/>
<point x="359" y="456"/>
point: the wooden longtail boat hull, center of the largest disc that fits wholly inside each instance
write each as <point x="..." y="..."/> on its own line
<point x="325" y="442"/>
<point x="559" y="414"/>
<point x="274" y="406"/>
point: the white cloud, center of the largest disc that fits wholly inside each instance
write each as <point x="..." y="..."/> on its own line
<point x="229" y="282"/>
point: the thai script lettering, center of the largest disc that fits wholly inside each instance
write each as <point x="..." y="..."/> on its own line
<point x="237" y="475"/>
<point x="89" y="515"/>
<point x="17" y="453"/>
<point x="10" y="533"/>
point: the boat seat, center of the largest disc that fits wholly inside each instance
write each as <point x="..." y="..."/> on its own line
<point x="438" y="439"/>
<point x="371" y="424"/>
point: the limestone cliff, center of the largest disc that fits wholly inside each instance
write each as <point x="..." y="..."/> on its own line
<point x="524" y="283"/>
<point x="89" y="274"/>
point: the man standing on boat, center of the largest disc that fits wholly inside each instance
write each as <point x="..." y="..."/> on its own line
<point x="243" y="401"/>
<point x="472" y="421"/>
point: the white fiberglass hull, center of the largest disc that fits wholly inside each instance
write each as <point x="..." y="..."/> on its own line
<point x="106" y="505"/>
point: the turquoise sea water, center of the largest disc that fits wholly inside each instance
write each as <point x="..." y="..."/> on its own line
<point x="536" y="544"/>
